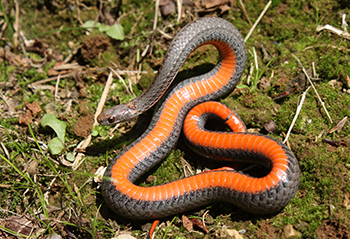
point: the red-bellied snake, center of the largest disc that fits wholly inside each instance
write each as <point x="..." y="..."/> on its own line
<point x="266" y="194"/>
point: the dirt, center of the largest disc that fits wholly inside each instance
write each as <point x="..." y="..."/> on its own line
<point x="267" y="231"/>
<point x="319" y="210"/>
<point x="83" y="126"/>
<point x="332" y="229"/>
<point x="93" y="47"/>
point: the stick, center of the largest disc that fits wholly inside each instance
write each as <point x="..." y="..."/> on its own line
<point x="156" y="15"/>
<point x="179" y="9"/>
<point x="103" y="97"/>
<point x="258" y="20"/>
<point x="129" y="90"/>
<point x="245" y="12"/>
<point x="296" y="115"/>
<point x="313" y="87"/>
<point x="83" y="72"/>
<point x="334" y="30"/>
<point x="56" y="87"/>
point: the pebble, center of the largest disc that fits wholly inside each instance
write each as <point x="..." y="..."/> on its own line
<point x="228" y="233"/>
<point x="290" y="232"/>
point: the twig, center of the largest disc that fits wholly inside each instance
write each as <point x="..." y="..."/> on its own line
<point x="130" y="92"/>
<point x="326" y="45"/>
<point x="313" y="87"/>
<point x="334" y="30"/>
<point x="103" y="97"/>
<point x="16" y="35"/>
<point x="6" y="152"/>
<point x="179" y="9"/>
<point x="99" y="13"/>
<point x="83" y="72"/>
<point x="56" y="87"/>
<point x="245" y="12"/>
<point x="344" y="24"/>
<point x="6" y="102"/>
<point x="3" y="28"/>
<point x="67" y="66"/>
<point x="156" y="10"/>
<point x="138" y="74"/>
<point x="53" y="78"/>
<point x="314" y="74"/>
<point x="46" y="194"/>
<point x="144" y="52"/>
<point x="287" y="142"/>
<point x="339" y="126"/>
<point x="296" y="114"/>
<point x="165" y="35"/>
<point x="77" y="3"/>
<point x="69" y="57"/>
<point x="251" y="69"/>
<point x="257" y="21"/>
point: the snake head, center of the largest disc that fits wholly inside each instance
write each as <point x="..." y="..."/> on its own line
<point x="115" y="115"/>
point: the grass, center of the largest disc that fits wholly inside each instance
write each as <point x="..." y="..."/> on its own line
<point x="61" y="200"/>
<point x="27" y="184"/>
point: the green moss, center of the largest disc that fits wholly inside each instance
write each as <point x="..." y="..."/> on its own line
<point x="287" y="27"/>
<point x="255" y="108"/>
<point x="332" y="63"/>
<point x="5" y="70"/>
<point x="168" y="170"/>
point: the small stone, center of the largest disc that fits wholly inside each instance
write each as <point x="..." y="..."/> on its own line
<point x="71" y="45"/>
<point x="290" y="232"/>
<point x="254" y="130"/>
<point x="270" y="126"/>
<point x="228" y="233"/>
<point x="302" y="226"/>
<point x="125" y="236"/>
<point x="54" y="236"/>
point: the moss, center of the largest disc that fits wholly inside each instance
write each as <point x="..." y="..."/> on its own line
<point x="169" y="170"/>
<point x="287" y="27"/>
<point x="255" y="108"/>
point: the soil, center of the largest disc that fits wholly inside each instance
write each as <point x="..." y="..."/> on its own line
<point x="332" y="229"/>
<point x="64" y="69"/>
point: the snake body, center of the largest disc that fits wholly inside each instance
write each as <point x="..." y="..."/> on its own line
<point x="267" y="194"/>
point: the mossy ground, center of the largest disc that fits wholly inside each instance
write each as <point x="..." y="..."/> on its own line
<point x="288" y="27"/>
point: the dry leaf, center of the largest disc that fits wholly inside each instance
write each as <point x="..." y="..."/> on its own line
<point x="33" y="107"/>
<point x="200" y="224"/>
<point x="187" y="223"/>
<point x="26" y="118"/>
<point x="19" y="224"/>
<point x="346" y="202"/>
<point x="213" y="5"/>
<point x="334" y="143"/>
<point x="339" y="126"/>
<point x="32" y="110"/>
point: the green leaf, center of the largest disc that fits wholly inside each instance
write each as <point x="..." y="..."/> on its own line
<point x="116" y="32"/>
<point x="57" y="125"/>
<point x="56" y="146"/>
<point x="242" y="86"/>
<point x="70" y="157"/>
<point x="104" y="28"/>
<point x="90" y="25"/>
<point x="94" y="132"/>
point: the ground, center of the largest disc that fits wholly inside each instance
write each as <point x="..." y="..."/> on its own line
<point x="53" y="71"/>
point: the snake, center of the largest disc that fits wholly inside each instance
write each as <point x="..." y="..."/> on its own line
<point x="188" y="106"/>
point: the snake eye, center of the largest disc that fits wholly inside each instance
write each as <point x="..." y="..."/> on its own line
<point x="111" y="119"/>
